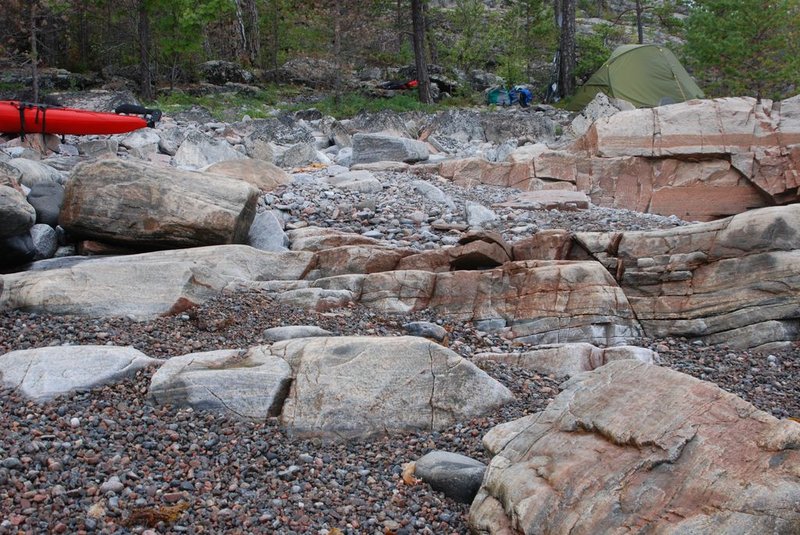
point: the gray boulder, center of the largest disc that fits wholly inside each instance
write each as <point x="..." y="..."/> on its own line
<point x="170" y="139"/>
<point x="16" y="215"/>
<point x="456" y="476"/>
<point x="266" y="233"/>
<point x="384" y="122"/>
<point x="369" y="148"/>
<point x="16" y="250"/>
<point x="47" y="198"/>
<point x="141" y="143"/>
<point x="516" y="124"/>
<point x="361" y="181"/>
<point x="478" y="215"/>
<point x="199" y="150"/>
<point x="47" y="372"/>
<point x="301" y="154"/>
<point x="33" y="172"/>
<point x="45" y="241"/>
<point x="283" y="129"/>
<point x="426" y="329"/>
<point x="453" y="128"/>
<point x="248" y="384"/>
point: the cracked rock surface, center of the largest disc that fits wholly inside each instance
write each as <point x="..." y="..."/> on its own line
<point x="634" y="446"/>
<point x="362" y="386"/>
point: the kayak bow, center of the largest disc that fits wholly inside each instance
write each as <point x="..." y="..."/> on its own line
<point x="25" y="118"/>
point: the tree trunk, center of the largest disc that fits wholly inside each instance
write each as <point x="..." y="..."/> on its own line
<point x="144" y="52"/>
<point x="242" y="46"/>
<point x="421" y="63"/>
<point x="400" y="22"/>
<point x="274" y="38"/>
<point x="337" y="50"/>
<point x="566" y="70"/>
<point x="432" y="50"/>
<point x="639" y="28"/>
<point x="34" y="55"/>
<point x="254" y="30"/>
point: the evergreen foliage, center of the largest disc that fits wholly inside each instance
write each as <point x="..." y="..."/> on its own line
<point x="745" y="47"/>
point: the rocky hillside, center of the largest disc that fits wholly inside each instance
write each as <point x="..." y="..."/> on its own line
<point x="475" y="321"/>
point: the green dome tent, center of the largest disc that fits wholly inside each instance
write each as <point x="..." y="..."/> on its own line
<point x="644" y="75"/>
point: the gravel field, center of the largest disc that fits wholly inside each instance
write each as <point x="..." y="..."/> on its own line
<point x="109" y="461"/>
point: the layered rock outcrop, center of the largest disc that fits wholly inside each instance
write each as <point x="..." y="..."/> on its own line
<point x="700" y="160"/>
<point x="733" y="281"/>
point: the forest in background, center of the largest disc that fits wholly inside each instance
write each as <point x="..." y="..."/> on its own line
<point x="732" y="47"/>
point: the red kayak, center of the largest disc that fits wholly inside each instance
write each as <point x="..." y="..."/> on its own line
<point x="25" y="118"/>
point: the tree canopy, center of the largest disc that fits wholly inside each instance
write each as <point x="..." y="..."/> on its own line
<point x="733" y="47"/>
<point x="745" y="47"/>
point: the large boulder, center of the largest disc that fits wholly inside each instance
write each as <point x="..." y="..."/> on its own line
<point x="455" y="130"/>
<point x="734" y="281"/>
<point x="694" y="190"/>
<point x="47" y="372"/>
<point x="146" y="285"/>
<point x="361" y="386"/>
<point x="386" y="122"/>
<point x="368" y="148"/>
<point x="134" y="203"/>
<point x="312" y="72"/>
<point x="637" y="448"/>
